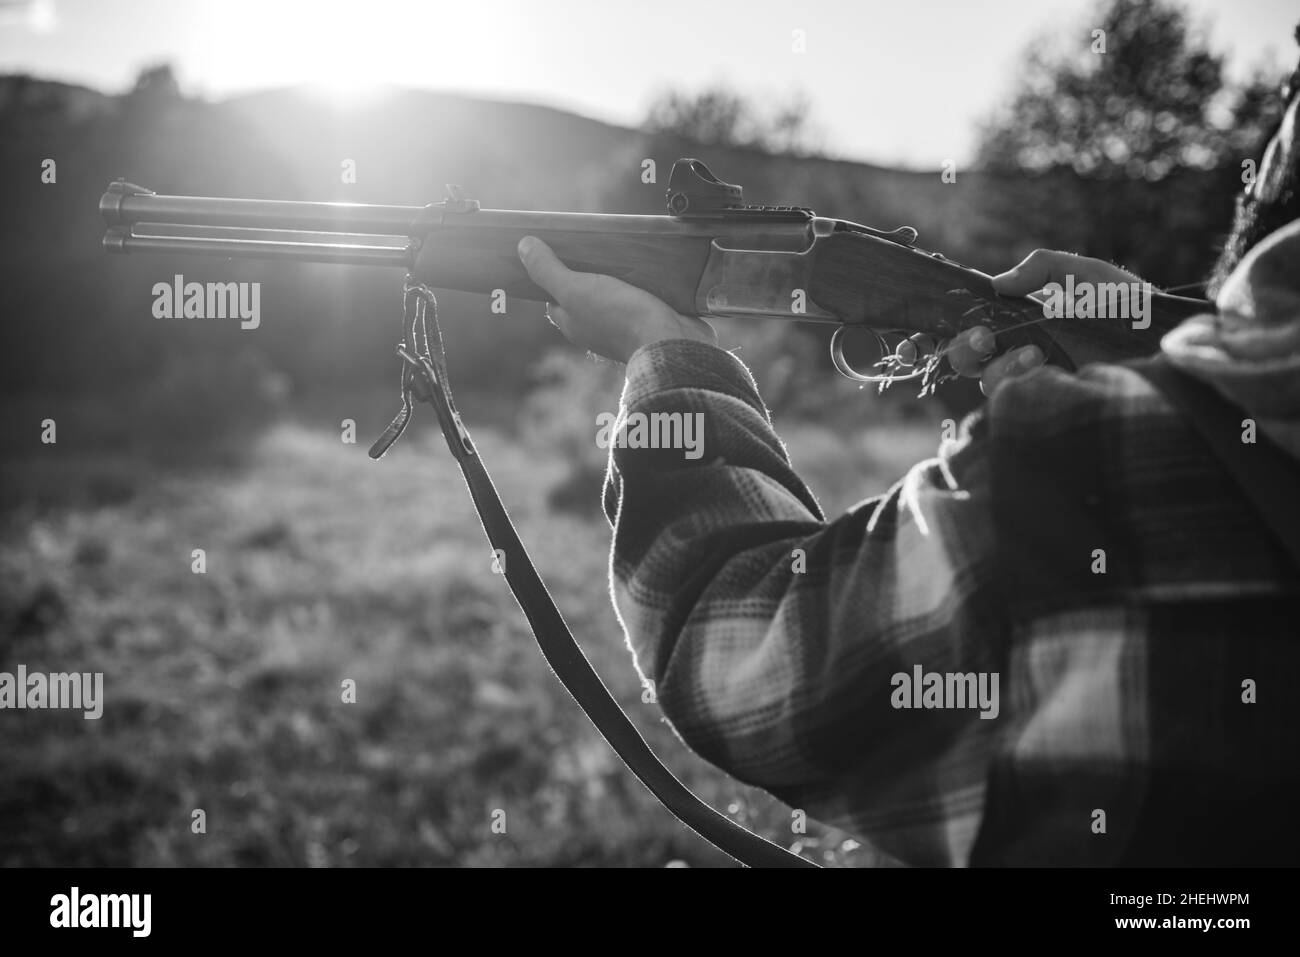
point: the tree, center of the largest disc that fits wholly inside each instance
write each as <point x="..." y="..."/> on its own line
<point x="1140" y="137"/>
<point x="155" y="83"/>
<point x="1137" y="96"/>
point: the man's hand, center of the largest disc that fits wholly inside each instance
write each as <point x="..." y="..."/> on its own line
<point x="969" y="353"/>
<point x="602" y="314"/>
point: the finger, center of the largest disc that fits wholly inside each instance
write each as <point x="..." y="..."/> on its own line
<point x="1013" y="363"/>
<point x="970" y="349"/>
<point x="544" y="268"/>
<point x="1044" y="266"/>
<point x="1035" y="271"/>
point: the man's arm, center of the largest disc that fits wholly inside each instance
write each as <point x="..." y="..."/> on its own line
<point x="785" y="647"/>
<point x="773" y="636"/>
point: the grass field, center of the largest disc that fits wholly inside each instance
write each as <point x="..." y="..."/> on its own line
<point x="223" y="689"/>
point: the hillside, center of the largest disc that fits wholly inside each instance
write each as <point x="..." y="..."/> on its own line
<point x="287" y="144"/>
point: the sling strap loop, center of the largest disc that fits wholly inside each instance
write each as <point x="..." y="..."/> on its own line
<point x="424" y="377"/>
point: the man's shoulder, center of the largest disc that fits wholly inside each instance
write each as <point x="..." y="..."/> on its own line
<point x="1050" y="401"/>
<point x="1102" y="409"/>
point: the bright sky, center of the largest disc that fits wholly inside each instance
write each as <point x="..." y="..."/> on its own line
<point x="891" y="81"/>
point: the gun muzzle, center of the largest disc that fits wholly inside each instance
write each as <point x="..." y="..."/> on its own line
<point x="140" y="220"/>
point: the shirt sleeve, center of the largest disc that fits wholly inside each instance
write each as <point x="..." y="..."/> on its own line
<point x="775" y="636"/>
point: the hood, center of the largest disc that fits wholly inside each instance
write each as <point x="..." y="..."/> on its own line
<point x="1250" y="350"/>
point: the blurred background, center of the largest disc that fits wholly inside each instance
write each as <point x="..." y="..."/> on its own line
<point x="223" y="689"/>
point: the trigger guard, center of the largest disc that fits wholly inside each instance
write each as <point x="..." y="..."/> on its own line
<point x="843" y="367"/>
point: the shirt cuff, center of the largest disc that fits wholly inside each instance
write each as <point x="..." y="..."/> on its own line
<point x="670" y="364"/>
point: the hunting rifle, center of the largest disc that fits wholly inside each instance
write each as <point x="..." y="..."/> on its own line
<point x="712" y="255"/>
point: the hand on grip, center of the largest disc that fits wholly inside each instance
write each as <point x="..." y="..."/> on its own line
<point x="974" y="353"/>
<point x="602" y="314"/>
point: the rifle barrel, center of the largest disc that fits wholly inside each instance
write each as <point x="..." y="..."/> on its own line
<point x="127" y="209"/>
<point x="341" y="233"/>
<point x="269" y="245"/>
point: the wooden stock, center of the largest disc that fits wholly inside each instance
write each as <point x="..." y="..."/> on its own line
<point x="477" y="252"/>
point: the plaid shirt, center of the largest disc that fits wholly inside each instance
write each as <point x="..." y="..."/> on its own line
<point x="774" y="635"/>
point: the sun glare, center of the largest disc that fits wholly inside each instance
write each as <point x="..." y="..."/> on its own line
<point x="346" y="92"/>
<point x="348" y="54"/>
<point x="339" y="52"/>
